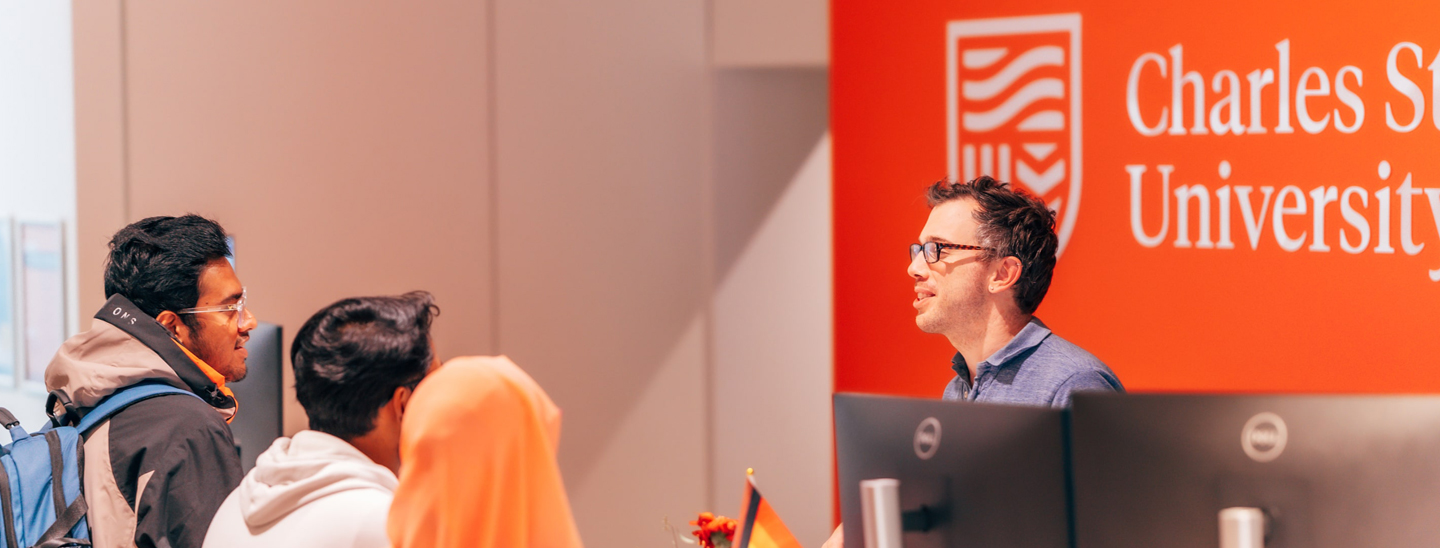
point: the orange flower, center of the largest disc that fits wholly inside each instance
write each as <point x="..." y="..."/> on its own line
<point x="714" y="532"/>
<point x="702" y="519"/>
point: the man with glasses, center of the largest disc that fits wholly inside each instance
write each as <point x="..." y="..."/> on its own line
<point x="157" y="470"/>
<point x="981" y="268"/>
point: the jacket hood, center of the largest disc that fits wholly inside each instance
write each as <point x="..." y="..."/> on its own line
<point x="124" y="346"/>
<point x="296" y="471"/>
<point x="98" y="362"/>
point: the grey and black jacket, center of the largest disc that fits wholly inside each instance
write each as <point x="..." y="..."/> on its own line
<point x="157" y="471"/>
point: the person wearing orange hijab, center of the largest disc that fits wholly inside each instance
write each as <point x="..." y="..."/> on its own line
<point x="478" y="470"/>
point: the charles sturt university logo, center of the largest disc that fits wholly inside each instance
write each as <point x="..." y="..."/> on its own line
<point x="1013" y="88"/>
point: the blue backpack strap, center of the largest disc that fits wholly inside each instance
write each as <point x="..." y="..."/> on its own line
<point x="124" y="398"/>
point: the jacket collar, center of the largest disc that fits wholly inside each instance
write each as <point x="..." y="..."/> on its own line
<point x="202" y="379"/>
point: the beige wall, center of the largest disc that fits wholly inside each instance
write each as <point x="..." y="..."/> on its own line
<point x="344" y="146"/>
<point x="772" y="332"/>
<point x="547" y="168"/>
<point x="601" y="146"/>
<point x="100" y="196"/>
<point x="771" y="33"/>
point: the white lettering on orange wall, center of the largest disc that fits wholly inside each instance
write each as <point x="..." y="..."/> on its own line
<point x="1132" y="96"/>
<point x="1405" y="86"/>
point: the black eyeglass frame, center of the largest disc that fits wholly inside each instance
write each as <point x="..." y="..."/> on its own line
<point x="932" y="250"/>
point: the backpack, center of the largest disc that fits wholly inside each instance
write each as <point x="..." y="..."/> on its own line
<point x="42" y="496"/>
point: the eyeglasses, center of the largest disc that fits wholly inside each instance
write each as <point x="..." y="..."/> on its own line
<point x="238" y="307"/>
<point x="932" y="250"/>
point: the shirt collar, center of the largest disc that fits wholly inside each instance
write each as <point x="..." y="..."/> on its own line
<point x="1029" y="337"/>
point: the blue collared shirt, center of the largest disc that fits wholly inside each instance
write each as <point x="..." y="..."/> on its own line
<point x="1036" y="368"/>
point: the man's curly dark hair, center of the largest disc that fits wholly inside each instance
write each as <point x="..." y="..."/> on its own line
<point x="1013" y="223"/>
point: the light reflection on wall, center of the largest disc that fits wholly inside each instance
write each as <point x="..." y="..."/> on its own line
<point x="37" y="189"/>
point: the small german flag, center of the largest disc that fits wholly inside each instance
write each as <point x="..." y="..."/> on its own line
<point x="760" y="527"/>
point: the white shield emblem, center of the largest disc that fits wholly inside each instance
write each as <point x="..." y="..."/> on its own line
<point x="1013" y="93"/>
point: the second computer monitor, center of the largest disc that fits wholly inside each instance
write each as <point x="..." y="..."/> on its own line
<point x="1294" y="471"/>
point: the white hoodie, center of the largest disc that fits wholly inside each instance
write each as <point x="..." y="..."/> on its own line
<point x="311" y="490"/>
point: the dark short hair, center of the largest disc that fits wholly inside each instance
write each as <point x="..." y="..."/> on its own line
<point x="351" y="356"/>
<point x="156" y="262"/>
<point x="1013" y="223"/>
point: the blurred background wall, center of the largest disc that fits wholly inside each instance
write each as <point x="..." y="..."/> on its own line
<point x="630" y="198"/>
<point x="37" y="167"/>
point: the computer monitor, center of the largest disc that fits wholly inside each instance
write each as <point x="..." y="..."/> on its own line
<point x="1320" y="471"/>
<point x="970" y="474"/>
<point x="259" y="420"/>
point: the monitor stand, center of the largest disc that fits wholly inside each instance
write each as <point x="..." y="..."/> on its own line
<point x="1243" y="527"/>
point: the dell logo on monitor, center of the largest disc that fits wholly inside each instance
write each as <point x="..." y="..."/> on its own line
<point x="1263" y="438"/>
<point x="927" y="438"/>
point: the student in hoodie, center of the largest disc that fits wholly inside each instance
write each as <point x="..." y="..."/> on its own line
<point x="356" y="363"/>
<point x="156" y="471"/>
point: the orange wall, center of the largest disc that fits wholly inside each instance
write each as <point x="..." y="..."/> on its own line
<point x="1168" y="317"/>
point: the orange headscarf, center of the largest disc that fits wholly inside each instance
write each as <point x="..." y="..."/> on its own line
<point x="477" y="450"/>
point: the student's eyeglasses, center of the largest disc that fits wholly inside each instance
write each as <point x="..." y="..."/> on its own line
<point x="238" y="307"/>
<point x="932" y="250"/>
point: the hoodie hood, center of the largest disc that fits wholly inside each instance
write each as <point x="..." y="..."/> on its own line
<point x="297" y="471"/>
<point x="124" y="346"/>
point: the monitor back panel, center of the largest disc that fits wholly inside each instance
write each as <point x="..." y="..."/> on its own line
<point x="1342" y="471"/>
<point x="995" y="475"/>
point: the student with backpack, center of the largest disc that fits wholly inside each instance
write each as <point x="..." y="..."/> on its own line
<point x="356" y="363"/>
<point x="153" y="368"/>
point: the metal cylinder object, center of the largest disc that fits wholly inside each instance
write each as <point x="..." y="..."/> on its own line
<point x="880" y="504"/>
<point x="1242" y="527"/>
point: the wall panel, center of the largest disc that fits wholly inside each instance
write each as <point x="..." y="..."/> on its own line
<point x="345" y="146"/>
<point x="601" y="147"/>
